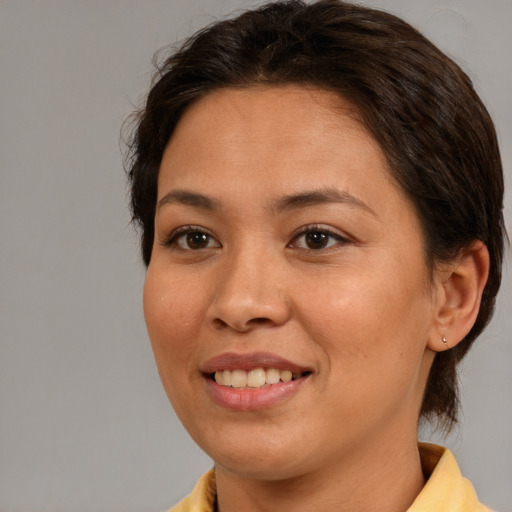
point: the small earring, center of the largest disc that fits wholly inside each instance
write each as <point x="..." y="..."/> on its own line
<point x="445" y="343"/>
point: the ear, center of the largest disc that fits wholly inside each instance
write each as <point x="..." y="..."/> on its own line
<point x="459" y="285"/>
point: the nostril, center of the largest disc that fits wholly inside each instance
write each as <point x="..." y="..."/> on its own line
<point x="219" y="324"/>
<point x="259" y="320"/>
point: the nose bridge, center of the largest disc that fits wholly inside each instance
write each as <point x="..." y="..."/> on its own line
<point x="250" y="290"/>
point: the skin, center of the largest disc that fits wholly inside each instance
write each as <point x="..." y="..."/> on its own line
<point x="362" y="313"/>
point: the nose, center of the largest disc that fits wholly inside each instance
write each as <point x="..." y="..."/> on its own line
<point x="250" y="294"/>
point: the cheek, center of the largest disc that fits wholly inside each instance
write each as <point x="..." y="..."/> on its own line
<point x="369" y="322"/>
<point x="173" y="319"/>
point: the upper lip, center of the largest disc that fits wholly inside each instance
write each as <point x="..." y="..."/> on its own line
<point x="247" y="362"/>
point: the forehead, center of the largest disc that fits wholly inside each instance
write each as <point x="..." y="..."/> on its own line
<point x="304" y="131"/>
<point x="269" y="111"/>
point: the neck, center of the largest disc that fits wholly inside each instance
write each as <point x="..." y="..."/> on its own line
<point x="386" y="476"/>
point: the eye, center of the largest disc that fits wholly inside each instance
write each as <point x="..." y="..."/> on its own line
<point x="316" y="238"/>
<point x="191" y="238"/>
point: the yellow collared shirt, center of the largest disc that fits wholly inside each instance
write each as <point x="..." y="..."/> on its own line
<point x="446" y="489"/>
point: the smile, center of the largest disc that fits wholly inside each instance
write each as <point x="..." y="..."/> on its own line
<point x="248" y="382"/>
<point x="256" y="378"/>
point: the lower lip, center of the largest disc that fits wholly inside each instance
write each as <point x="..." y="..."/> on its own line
<point x="247" y="399"/>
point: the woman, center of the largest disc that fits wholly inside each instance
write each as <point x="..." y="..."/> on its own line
<point x="320" y="195"/>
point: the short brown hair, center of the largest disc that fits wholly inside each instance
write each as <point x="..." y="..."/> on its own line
<point x="419" y="105"/>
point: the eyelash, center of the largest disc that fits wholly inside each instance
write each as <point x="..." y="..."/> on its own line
<point x="173" y="238"/>
<point x="182" y="231"/>
<point x="315" y="228"/>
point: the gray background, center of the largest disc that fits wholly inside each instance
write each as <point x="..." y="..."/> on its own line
<point x="84" y="423"/>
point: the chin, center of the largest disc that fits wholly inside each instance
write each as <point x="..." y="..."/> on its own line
<point x="252" y="453"/>
<point x="270" y="467"/>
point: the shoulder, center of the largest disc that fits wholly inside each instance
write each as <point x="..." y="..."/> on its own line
<point x="446" y="489"/>
<point x="202" y="498"/>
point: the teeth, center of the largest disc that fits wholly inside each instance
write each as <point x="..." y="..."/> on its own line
<point x="238" y="379"/>
<point x="226" y="377"/>
<point x="286" y="376"/>
<point x="223" y="378"/>
<point x="272" y="376"/>
<point x="256" y="378"/>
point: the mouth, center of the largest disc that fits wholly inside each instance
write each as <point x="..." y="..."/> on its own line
<point x="254" y="379"/>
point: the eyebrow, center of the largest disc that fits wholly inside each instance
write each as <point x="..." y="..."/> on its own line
<point x="317" y="197"/>
<point x="281" y="205"/>
<point x="188" y="198"/>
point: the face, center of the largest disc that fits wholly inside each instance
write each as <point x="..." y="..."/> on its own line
<point x="284" y="250"/>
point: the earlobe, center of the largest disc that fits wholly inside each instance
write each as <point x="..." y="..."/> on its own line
<point x="460" y="284"/>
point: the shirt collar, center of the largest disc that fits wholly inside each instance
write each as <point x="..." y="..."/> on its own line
<point x="446" y="489"/>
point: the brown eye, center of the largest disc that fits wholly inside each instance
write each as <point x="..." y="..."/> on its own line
<point x="197" y="240"/>
<point x="191" y="238"/>
<point x="316" y="240"/>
